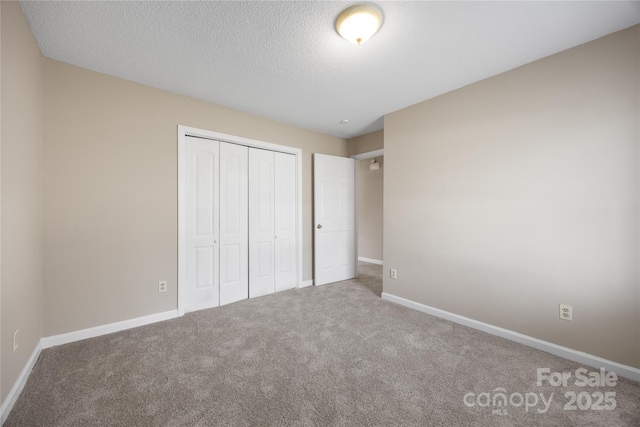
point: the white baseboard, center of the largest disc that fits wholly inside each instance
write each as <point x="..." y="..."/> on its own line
<point x="15" y="391"/>
<point x="558" y="350"/>
<point x="52" y="341"/>
<point x="306" y="283"/>
<point x="370" y="261"/>
<point x="107" y="329"/>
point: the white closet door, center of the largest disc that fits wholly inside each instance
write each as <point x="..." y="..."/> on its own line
<point x="261" y="223"/>
<point x="201" y="227"/>
<point x="285" y="221"/>
<point x="234" y="236"/>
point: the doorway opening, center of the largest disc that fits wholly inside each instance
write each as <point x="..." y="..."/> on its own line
<point x="369" y="206"/>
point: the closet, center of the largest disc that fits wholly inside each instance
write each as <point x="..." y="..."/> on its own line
<point x="240" y="222"/>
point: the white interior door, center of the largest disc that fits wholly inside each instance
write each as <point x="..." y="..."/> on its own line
<point x="334" y="217"/>
<point x="285" y="221"/>
<point x="202" y="187"/>
<point x="261" y="223"/>
<point x="234" y="229"/>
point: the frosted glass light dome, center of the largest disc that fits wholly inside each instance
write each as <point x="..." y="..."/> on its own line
<point x="358" y="23"/>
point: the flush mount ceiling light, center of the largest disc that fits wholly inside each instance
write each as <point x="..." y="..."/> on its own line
<point x="358" y="23"/>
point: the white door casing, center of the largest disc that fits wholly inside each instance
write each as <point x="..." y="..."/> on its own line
<point x="334" y="219"/>
<point x="201" y="252"/>
<point x="285" y="221"/>
<point x="234" y="227"/>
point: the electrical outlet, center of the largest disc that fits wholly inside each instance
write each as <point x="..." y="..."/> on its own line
<point x="15" y="340"/>
<point x="566" y="312"/>
<point x="393" y="273"/>
<point x="162" y="286"/>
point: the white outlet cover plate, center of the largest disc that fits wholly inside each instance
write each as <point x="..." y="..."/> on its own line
<point x="566" y="312"/>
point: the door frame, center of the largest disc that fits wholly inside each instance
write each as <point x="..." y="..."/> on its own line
<point x="368" y="154"/>
<point x="358" y="157"/>
<point x="183" y="132"/>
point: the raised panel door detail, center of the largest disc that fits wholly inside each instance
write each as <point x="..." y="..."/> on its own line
<point x="285" y="207"/>
<point x="330" y="250"/>
<point x="231" y="203"/>
<point x="204" y="196"/>
<point x="204" y="267"/>
<point x="265" y="196"/>
<point x="329" y="200"/>
<point x="283" y="249"/>
<point x="232" y="264"/>
<point x="265" y="259"/>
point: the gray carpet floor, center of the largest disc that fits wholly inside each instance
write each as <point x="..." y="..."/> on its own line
<point x="335" y="355"/>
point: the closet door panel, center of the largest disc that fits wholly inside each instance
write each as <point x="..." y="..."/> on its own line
<point x="285" y="221"/>
<point x="261" y="223"/>
<point x="234" y="233"/>
<point x="201" y="228"/>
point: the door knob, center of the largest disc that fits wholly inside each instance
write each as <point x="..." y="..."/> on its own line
<point x="319" y="226"/>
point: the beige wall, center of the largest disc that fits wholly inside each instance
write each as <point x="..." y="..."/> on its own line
<point x="520" y="192"/>
<point x="365" y="143"/>
<point x="21" y="168"/>
<point x="369" y="184"/>
<point x="111" y="192"/>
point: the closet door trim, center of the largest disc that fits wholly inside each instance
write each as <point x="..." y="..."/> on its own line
<point x="183" y="132"/>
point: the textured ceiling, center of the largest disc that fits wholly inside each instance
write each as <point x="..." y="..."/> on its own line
<point x="283" y="60"/>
